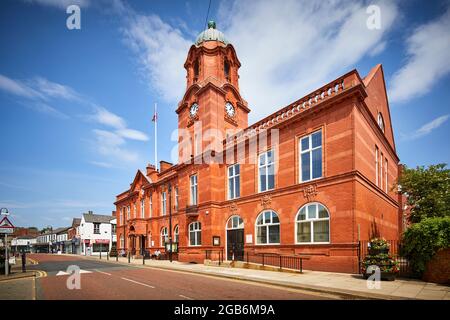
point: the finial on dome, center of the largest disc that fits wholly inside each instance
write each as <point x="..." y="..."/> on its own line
<point x="211" y="24"/>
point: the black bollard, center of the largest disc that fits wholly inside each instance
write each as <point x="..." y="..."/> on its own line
<point x="117" y="256"/>
<point x="129" y="257"/>
<point x="143" y="258"/>
<point x="24" y="261"/>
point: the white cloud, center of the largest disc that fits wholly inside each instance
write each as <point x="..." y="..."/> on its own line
<point x="132" y="134"/>
<point x="110" y="144"/>
<point x="427" y="128"/>
<point x="428" y="50"/>
<point x="18" y="88"/>
<point x="45" y="108"/>
<point x="55" y="90"/>
<point x="63" y="4"/>
<point x="106" y="117"/>
<point x="161" y="51"/>
<point x="102" y="164"/>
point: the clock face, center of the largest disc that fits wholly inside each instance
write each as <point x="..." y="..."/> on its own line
<point x="193" y="110"/>
<point x="229" y="109"/>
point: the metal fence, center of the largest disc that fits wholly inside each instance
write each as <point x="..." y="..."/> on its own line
<point x="215" y="255"/>
<point x="293" y="262"/>
<point x="395" y="250"/>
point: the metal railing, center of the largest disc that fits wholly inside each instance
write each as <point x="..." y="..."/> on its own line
<point x="214" y="255"/>
<point x="293" y="262"/>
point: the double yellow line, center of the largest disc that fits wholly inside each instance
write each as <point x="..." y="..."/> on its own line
<point x="40" y="273"/>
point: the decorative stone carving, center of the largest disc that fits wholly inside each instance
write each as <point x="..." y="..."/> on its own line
<point x="310" y="192"/>
<point x="266" y="201"/>
<point x="233" y="207"/>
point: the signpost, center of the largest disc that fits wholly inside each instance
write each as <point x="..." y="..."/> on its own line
<point x="6" y="227"/>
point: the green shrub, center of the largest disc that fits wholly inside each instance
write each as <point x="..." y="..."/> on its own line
<point x="422" y="240"/>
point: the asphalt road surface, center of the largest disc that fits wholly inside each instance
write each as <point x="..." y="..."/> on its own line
<point x="103" y="280"/>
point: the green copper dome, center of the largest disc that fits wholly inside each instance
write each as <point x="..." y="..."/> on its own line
<point x="211" y="34"/>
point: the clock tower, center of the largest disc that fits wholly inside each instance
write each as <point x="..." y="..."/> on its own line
<point x="212" y="107"/>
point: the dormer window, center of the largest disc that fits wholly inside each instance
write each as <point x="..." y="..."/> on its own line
<point x="381" y="122"/>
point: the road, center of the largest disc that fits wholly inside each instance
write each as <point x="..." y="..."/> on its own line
<point x="102" y="280"/>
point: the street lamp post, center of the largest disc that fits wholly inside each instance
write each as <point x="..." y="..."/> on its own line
<point x="170" y="222"/>
<point x="5" y="212"/>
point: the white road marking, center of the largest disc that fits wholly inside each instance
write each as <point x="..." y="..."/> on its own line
<point x="103" y="272"/>
<point x="142" y="284"/>
<point x="180" y="295"/>
<point x="64" y="273"/>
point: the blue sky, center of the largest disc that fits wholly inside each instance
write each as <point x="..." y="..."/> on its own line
<point x="76" y="105"/>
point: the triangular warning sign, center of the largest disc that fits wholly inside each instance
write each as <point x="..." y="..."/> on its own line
<point x="5" y="223"/>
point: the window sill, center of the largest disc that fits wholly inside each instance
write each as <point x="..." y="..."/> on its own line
<point x="311" y="243"/>
<point x="267" y="244"/>
<point x="311" y="180"/>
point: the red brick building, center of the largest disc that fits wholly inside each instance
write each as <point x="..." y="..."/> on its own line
<point x="312" y="178"/>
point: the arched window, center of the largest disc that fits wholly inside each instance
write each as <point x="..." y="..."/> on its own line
<point x="195" y="234"/>
<point x="235" y="222"/>
<point x="312" y="224"/>
<point x="196" y="70"/>
<point x="226" y="69"/>
<point x="381" y="122"/>
<point x="176" y="234"/>
<point x="267" y="228"/>
<point x="164" y="236"/>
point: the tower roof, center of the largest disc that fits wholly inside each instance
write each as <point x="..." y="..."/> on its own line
<point x="211" y="34"/>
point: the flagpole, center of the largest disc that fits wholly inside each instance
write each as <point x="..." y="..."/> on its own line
<point x="156" y="137"/>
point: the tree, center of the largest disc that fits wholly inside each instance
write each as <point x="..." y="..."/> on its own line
<point x="427" y="191"/>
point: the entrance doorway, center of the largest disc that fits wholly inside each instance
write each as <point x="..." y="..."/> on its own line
<point x="235" y="238"/>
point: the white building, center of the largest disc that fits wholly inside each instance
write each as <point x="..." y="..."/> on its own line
<point x="96" y="233"/>
<point x="23" y="243"/>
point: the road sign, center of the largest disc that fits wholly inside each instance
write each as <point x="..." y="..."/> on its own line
<point x="6" y="226"/>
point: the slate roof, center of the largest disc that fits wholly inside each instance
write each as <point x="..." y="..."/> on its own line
<point x="76" y="222"/>
<point x="97" y="218"/>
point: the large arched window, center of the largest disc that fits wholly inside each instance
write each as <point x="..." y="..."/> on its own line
<point x="235" y="222"/>
<point x="312" y="224"/>
<point x="176" y="234"/>
<point x="381" y="122"/>
<point x="267" y="228"/>
<point x="164" y="236"/>
<point x="195" y="234"/>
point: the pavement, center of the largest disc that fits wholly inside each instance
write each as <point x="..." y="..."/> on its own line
<point x="100" y="279"/>
<point x="345" y="285"/>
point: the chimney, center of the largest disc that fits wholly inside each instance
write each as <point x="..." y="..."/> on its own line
<point x="113" y="213"/>
<point x="90" y="212"/>
<point x="150" y="169"/>
<point x="164" y="165"/>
